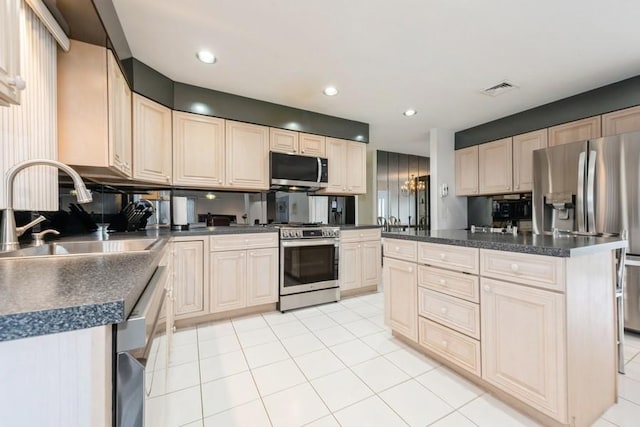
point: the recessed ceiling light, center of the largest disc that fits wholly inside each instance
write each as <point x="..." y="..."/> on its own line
<point x="206" y="57"/>
<point x="410" y="112"/>
<point x="330" y="91"/>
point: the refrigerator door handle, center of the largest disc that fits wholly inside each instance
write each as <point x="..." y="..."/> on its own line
<point x="591" y="174"/>
<point x="580" y="195"/>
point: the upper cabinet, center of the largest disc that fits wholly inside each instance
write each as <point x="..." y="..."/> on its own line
<point x="495" y="169"/>
<point x="198" y="150"/>
<point x="10" y="82"/>
<point x="523" y="147"/>
<point x="247" y="156"/>
<point x="151" y="141"/>
<point x="347" y="167"/>
<point x="94" y="112"/>
<point x="467" y="171"/>
<point x="579" y="130"/>
<point x="312" y="145"/>
<point x="284" y="141"/>
<point x="621" y="121"/>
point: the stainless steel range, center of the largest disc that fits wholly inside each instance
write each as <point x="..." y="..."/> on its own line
<point x="308" y="265"/>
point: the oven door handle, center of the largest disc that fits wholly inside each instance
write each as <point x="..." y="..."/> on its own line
<point x="308" y="242"/>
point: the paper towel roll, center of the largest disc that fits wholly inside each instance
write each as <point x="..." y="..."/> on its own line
<point x="180" y="211"/>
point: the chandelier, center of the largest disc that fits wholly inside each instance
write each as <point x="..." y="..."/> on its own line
<point x="412" y="185"/>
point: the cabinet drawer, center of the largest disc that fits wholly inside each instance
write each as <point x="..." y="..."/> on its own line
<point x="535" y="270"/>
<point x="244" y="241"/>
<point x="359" y="235"/>
<point x="463" y="316"/>
<point x="455" y="347"/>
<point x="459" y="285"/>
<point x="456" y="258"/>
<point x="404" y="250"/>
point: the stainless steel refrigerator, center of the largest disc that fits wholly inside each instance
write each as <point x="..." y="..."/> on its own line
<point x="592" y="187"/>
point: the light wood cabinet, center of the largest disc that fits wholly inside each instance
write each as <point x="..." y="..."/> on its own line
<point x="400" y="281"/>
<point x="244" y="271"/>
<point x="151" y="141"/>
<point x="523" y="147"/>
<point x="579" y="130"/>
<point x="466" y="164"/>
<point x="9" y="52"/>
<point x="360" y="259"/>
<point x="371" y="258"/>
<point x="495" y="167"/>
<point x="198" y="150"/>
<point x="451" y="257"/>
<point x="350" y="268"/>
<point x="189" y="274"/>
<point x="247" y="156"/>
<point x="312" y="145"/>
<point x="283" y="141"/>
<point x="621" y="121"/>
<point x="528" y="365"/>
<point x="94" y="112"/>
<point x="347" y="167"/>
<point x="453" y="346"/>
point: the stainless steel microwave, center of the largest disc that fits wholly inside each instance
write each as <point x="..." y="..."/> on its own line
<point x="293" y="172"/>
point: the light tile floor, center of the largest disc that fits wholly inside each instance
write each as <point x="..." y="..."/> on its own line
<point x="331" y="365"/>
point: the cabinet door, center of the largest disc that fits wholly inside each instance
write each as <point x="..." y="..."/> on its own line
<point x="579" y="130"/>
<point x="495" y="167"/>
<point x="356" y="168"/>
<point x="621" y="121"/>
<point x="400" y="281"/>
<point x="350" y="267"/>
<point x="312" y="145"/>
<point x="9" y="51"/>
<point x="228" y="280"/>
<point x="247" y="155"/>
<point x="262" y="276"/>
<point x="371" y="258"/>
<point x="283" y="141"/>
<point x="198" y="150"/>
<point x="467" y="171"/>
<point x="523" y="147"/>
<point x="337" y="157"/>
<point x="523" y="350"/>
<point x="151" y="141"/>
<point x="188" y="284"/>
<point x="119" y="118"/>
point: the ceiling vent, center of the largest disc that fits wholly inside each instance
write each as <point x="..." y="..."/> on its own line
<point x="499" y="89"/>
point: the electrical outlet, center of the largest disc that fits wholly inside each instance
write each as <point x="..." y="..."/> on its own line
<point x="444" y="190"/>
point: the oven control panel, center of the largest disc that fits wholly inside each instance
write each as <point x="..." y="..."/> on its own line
<point x="310" y="233"/>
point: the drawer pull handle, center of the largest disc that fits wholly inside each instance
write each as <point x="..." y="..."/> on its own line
<point x="410" y="269"/>
<point x="445" y="343"/>
<point x="514" y="267"/>
<point x="443" y="256"/>
<point x="443" y="310"/>
<point x="487" y="288"/>
<point x="443" y="282"/>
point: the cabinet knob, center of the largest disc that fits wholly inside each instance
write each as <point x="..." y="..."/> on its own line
<point x="443" y="256"/>
<point x="168" y="178"/>
<point x="410" y="269"/>
<point x="514" y="267"/>
<point x="443" y="310"/>
<point x="358" y="246"/>
<point x="230" y="182"/>
<point x="126" y="164"/>
<point x="17" y="82"/>
<point x="302" y="151"/>
<point x="397" y="248"/>
<point x="252" y="253"/>
<point x="445" y="343"/>
<point x="219" y="181"/>
<point x="487" y="288"/>
<point x="443" y="282"/>
<point x="242" y="254"/>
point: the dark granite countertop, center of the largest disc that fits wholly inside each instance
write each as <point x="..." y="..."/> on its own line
<point x="358" y="227"/>
<point x="565" y="246"/>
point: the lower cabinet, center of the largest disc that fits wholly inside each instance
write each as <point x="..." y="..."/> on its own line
<point x="189" y="278"/>
<point x="523" y="344"/>
<point x="262" y="276"/>
<point x="400" y="280"/>
<point x="227" y="281"/>
<point x="360" y="259"/>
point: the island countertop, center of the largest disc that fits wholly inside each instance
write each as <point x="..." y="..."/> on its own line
<point x="564" y="246"/>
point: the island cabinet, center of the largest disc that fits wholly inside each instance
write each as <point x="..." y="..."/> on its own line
<point x="360" y="261"/>
<point x="244" y="271"/>
<point x="94" y="112"/>
<point x="151" y="141"/>
<point x="525" y="326"/>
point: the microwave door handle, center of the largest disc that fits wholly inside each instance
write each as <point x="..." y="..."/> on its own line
<point x="591" y="174"/>
<point x="580" y="195"/>
<point x="319" y="169"/>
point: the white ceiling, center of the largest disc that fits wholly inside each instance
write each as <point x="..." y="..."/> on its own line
<point x="386" y="56"/>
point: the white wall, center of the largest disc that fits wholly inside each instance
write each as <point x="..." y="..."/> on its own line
<point x="448" y="212"/>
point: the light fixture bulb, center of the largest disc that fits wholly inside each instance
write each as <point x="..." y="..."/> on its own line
<point x="210" y="196"/>
<point x="330" y="91"/>
<point x="206" y="57"/>
<point x="410" y="112"/>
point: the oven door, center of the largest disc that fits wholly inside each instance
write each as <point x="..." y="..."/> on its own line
<point x="308" y="265"/>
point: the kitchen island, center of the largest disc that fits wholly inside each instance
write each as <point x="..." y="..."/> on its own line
<point x="529" y="318"/>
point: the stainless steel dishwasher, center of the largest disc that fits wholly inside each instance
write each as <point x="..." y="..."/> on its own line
<point x="133" y="344"/>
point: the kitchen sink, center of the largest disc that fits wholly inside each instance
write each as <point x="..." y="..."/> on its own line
<point x="99" y="247"/>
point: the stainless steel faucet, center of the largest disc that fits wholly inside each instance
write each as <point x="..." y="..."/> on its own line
<point x="9" y="232"/>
